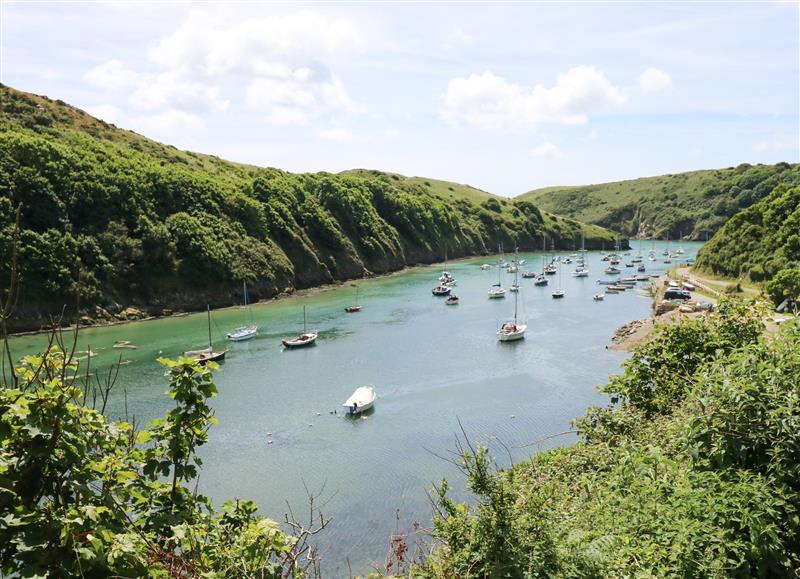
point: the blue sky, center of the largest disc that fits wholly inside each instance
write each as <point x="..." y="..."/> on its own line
<point x="503" y="96"/>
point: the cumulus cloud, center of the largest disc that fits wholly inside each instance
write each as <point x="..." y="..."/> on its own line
<point x="491" y="102"/>
<point x="653" y="80"/>
<point x="171" y="90"/>
<point x="277" y="46"/>
<point x="287" y="60"/>
<point x="108" y="113"/>
<point x="111" y="75"/>
<point x="774" y="145"/>
<point x="547" y="150"/>
<point x="168" y="122"/>
<point x="339" y="134"/>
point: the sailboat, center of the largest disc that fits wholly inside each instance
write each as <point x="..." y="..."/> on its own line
<point x="582" y="270"/>
<point x="551" y="269"/>
<point x="512" y="330"/>
<point x="515" y="286"/>
<point x="206" y="354"/>
<point x="355" y="307"/>
<point x="243" y="333"/>
<point x="304" y="339"/>
<point x="558" y="293"/>
<point x="497" y="290"/>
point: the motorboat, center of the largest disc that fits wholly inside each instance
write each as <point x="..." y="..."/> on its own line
<point x="486" y="267"/>
<point x="557" y="294"/>
<point x="641" y="268"/>
<point x="599" y="297"/>
<point x="528" y="274"/>
<point x="452" y="300"/>
<point x="241" y="334"/>
<point x="540" y="280"/>
<point x="362" y="399"/>
<point x="513" y="287"/>
<point x="611" y="270"/>
<point x="441" y="290"/>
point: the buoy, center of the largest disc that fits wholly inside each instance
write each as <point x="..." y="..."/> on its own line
<point x="269" y="442"/>
<point x="513" y="416"/>
<point x="269" y="434"/>
<point x="317" y="413"/>
<point x="311" y="425"/>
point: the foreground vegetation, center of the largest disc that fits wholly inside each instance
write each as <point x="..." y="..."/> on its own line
<point x="112" y="218"/>
<point x="694" y="204"/>
<point x="84" y="496"/>
<point x="692" y="471"/>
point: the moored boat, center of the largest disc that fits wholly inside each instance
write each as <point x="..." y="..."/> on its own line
<point x="205" y="355"/>
<point x="452" y="300"/>
<point x="305" y="339"/>
<point x="363" y="398"/>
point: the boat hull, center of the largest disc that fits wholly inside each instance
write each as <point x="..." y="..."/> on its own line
<point x="300" y="341"/>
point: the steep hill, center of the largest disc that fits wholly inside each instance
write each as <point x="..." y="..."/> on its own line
<point x="758" y="241"/>
<point x="118" y="219"/>
<point x="693" y="204"/>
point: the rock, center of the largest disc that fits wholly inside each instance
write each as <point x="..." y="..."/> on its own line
<point x="131" y="313"/>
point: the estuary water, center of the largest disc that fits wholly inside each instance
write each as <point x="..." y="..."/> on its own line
<point x="432" y="365"/>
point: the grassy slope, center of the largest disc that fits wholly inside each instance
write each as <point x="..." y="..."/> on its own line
<point x="758" y="241"/>
<point x="151" y="225"/>
<point x="695" y="203"/>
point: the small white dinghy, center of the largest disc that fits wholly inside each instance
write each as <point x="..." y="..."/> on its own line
<point x="362" y="399"/>
<point x="599" y="297"/>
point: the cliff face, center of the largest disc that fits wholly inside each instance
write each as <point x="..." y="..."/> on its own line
<point x="111" y="219"/>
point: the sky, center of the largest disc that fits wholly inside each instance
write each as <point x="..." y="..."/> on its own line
<point x="504" y="96"/>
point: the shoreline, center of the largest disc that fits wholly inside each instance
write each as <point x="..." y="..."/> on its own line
<point x="302" y="292"/>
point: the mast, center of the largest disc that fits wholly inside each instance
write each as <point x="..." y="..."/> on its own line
<point x="208" y="311"/>
<point x="304" y="319"/>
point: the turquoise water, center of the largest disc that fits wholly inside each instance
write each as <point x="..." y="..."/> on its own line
<point x="431" y="365"/>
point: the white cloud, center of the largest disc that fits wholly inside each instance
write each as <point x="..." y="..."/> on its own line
<point x="653" y="80"/>
<point x="108" y="113"/>
<point x="278" y="45"/>
<point x="288" y="58"/>
<point x="548" y="150"/>
<point x="775" y="145"/>
<point x="457" y="36"/>
<point x="491" y="102"/>
<point x="111" y="75"/>
<point x="288" y="116"/>
<point x="168" y="123"/>
<point x="339" y="134"/>
<point x="171" y="90"/>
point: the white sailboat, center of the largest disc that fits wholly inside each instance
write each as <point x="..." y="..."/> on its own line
<point x="558" y="293"/>
<point x="497" y="291"/>
<point x="305" y="339"/>
<point x="512" y="330"/>
<point x="243" y="333"/>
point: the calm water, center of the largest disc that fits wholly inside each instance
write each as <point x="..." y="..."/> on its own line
<point x="431" y="365"/>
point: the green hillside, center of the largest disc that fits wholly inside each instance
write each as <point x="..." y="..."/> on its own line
<point x="693" y="204"/>
<point x="758" y="241"/>
<point x="117" y="219"/>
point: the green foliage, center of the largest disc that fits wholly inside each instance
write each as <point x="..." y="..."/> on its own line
<point x="696" y="204"/>
<point x="759" y="241"/>
<point x="693" y="474"/>
<point x="785" y="285"/>
<point x="111" y="217"/>
<point x="83" y="496"/>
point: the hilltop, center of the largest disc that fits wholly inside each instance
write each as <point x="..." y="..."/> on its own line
<point x="693" y="205"/>
<point x="116" y="219"/>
